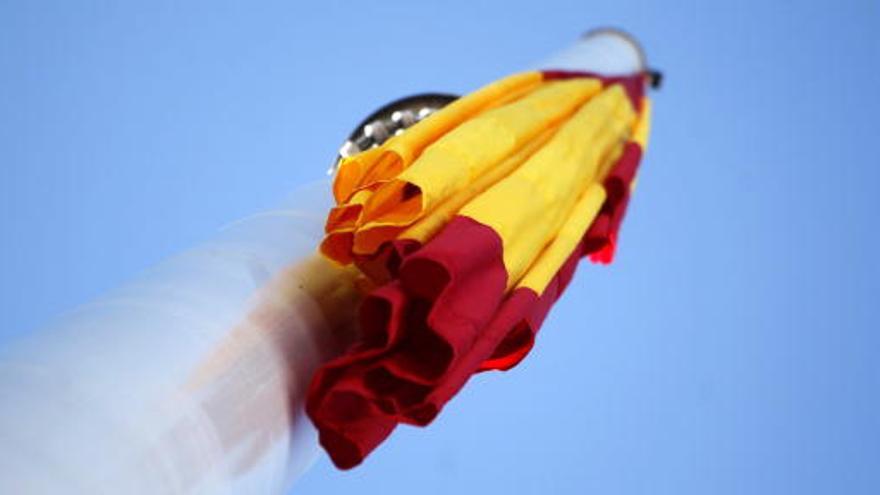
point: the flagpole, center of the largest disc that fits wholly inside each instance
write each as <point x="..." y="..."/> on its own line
<point x="606" y="51"/>
<point x="192" y="377"/>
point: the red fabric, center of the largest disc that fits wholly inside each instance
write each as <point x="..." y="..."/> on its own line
<point x="531" y="311"/>
<point x="600" y="242"/>
<point x="384" y="265"/>
<point x="414" y="330"/>
<point x="423" y="336"/>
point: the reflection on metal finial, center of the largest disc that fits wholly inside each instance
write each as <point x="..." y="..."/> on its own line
<point x="390" y="120"/>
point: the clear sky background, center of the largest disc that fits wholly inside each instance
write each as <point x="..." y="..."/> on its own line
<point x="731" y="349"/>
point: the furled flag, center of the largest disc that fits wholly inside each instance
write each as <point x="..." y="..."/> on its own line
<point x="466" y="229"/>
<point x="457" y="224"/>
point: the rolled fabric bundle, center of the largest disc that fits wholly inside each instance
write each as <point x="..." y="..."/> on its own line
<point x="468" y="236"/>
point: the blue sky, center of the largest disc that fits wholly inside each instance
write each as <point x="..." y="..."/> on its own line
<point x="730" y="349"/>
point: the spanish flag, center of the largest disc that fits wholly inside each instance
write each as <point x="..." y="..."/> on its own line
<point x="466" y="229"/>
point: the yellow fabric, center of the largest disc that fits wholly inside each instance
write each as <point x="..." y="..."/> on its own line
<point x="570" y="234"/>
<point x="382" y="163"/>
<point x="340" y="227"/>
<point x="467" y="152"/>
<point x="553" y="179"/>
<point x="352" y="170"/>
<point x="643" y="127"/>
<point x="425" y="228"/>
<point x="522" y="156"/>
<point x="641" y="132"/>
<point x="345" y="216"/>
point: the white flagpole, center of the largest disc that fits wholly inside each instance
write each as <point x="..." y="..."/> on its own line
<point x="605" y="51"/>
<point x="191" y="378"/>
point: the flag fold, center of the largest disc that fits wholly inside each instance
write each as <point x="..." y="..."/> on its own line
<point x="467" y="228"/>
